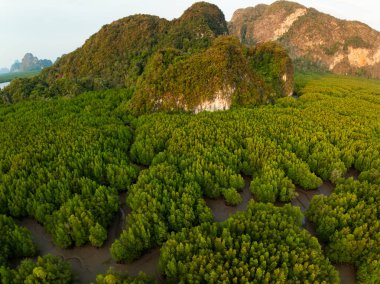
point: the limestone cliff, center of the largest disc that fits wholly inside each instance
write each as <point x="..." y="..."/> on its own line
<point x="343" y="47"/>
<point x="225" y="74"/>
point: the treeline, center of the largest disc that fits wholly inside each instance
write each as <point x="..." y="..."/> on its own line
<point x="64" y="162"/>
<point x="7" y="77"/>
<point x="264" y="244"/>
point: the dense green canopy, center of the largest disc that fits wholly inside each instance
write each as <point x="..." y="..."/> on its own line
<point x="332" y="127"/>
<point x="15" y="241"/>
<point x="46" y="270"/>
<point x="264" y="244"/>
<point x="64" y="161"/>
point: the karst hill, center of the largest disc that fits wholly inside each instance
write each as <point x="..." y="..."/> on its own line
<point x="314" y="40"/>
<point x="187" y="64"/>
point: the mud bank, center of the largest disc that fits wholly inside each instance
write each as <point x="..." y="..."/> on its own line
<point x="221" y="212"/>
<point x="88" y="261"/>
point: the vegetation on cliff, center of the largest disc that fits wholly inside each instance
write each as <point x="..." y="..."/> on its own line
<point x="314" y="40"/>
<point x="116" y="56"/>
<point x="227" y="71"/>
<point x="172" y="65"/>
<point x="273" y="65"/>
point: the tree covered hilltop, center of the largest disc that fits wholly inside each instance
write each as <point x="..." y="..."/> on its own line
<point x="188" y="64"/>
<point x="30" y="63"/>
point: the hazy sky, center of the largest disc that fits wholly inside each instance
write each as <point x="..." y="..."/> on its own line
<point x="50" y="28"/>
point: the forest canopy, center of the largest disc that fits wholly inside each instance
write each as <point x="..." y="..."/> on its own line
<point x="331" y="128"/>
<point x="264" y="244"/>
<point x="65" y="161"/>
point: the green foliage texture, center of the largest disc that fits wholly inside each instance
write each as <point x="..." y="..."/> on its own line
<point x="46" y="270"/>
<point x="332" y="127"/>
<point x="264" y="244"/>
<point x="15" y="241"/>
<point x="63" y="163"/>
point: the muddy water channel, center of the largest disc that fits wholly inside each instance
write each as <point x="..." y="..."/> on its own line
<point x="88" y="261"/>
<point x="221" y="212"/>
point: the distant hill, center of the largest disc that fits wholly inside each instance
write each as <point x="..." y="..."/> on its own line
<point x="4" y="70"/>
<point x="184" y="64"/>
<point x="30" y="63"/>
<point x="313" y="39"/>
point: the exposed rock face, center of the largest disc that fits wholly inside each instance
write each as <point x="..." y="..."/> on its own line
<point x="221" y="101"/>
<point x="227" y="73"/>
<point x="286" y="25"/>
<point x="344" y="47"/>
<point x="360" y="57"/>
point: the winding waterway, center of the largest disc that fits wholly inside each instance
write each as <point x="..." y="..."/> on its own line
<point x="88" y="261"/>
<point x="221" y="211"/>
